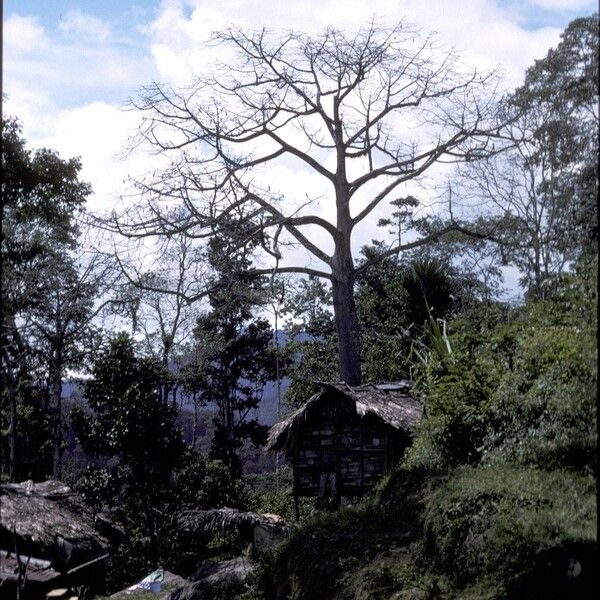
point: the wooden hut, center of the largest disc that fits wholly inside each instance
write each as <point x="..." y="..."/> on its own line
<point x="344" y="439"/>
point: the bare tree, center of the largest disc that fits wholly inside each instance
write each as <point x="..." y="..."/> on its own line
<point x="155" y="298"/>
<point x="335" y="104"/>
<point x="521" y="190"/>
<point x="544" y="189"/>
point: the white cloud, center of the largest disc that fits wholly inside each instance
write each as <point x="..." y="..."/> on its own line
<point x="87" y="58"/>
<point x="560" y="5"/>
<point x="97" y="132"/>
<point x="43" y="73"/>
<point x="23" y="35"/>
<point x="486" y="35"/>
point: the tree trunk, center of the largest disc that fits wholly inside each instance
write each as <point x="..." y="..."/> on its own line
<point x="195" y="426"/>
<point x="56" y="402"/>
<point x="346" y="324"/>
<point x="12" y="428"/>
<point x="13" y="369"/>
<point x="342" y="279"/>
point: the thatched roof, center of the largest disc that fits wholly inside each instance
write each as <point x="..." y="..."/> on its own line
<point x="390" y="402"/>
<point x="261" y="530"/>
<point x="228" y="519"/>
<point x="49" y="521"/>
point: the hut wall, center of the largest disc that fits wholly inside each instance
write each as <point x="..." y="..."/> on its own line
<point x="341" y="454"/>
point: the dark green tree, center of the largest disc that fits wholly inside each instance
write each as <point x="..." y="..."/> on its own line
<point x="41" y="197"/>
<point x="62" y="332"/>
<point x="234" y="354"/>
<point x="311" y="346"/>
<point x="131" y="424"/>
<point x="396" y="301"/>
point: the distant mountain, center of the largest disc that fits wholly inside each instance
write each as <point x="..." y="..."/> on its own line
<point x="269" y="406"/>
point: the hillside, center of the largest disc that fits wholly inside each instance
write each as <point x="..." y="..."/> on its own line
<point x="497" y="496"/>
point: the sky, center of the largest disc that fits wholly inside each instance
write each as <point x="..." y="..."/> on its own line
<point x="70" y="66"/>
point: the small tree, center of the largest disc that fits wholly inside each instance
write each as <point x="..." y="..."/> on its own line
<point x="155" y="301"/>
<point x="60" y="321"/>
<point x="235" y="359"/>
<point x="133" y="425"/>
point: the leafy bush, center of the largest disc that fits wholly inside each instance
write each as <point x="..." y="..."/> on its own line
<point x="272" y="493"/>
<point x="500" y="523"/>
<point x="519" y="388"/>
<point x="454" y="425"/>
<point x="203" y="483"/>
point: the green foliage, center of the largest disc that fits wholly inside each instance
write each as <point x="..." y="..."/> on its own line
<point x="316" y="360"/>
<point x="520" y="387"/>
<point x="396" y="302"/>
<point x="399" y="306"/>
<point x="544" y="410"/>
<point x="98" y="487"/>
<point x="41" y="196"/>
<point x="150" y="477"/>
<point x="500" y="522"/>
<point x="203" y="483"/>
<point x="273" y="493"/>
<point x="41" y="199"/>
<point x="312" y="347"/>
<point x="34" y="434"/>
<point x="130" y="419"/>
<point x="564" y="88"/>
<point x="368" y="551"/>
<point x="383" y="303"/>
<point x="311" y="562"/>
<point x="457" y="396"/>
<point x="233" y="355"/>
<point x="132" y="425"/>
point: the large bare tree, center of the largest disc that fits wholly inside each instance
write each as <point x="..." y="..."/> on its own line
<point x="367" y="113"/>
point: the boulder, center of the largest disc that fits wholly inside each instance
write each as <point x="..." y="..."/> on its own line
<point x="210" y="579"/>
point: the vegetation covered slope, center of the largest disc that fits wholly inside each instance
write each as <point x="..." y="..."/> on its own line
<point x="497" y="497"/>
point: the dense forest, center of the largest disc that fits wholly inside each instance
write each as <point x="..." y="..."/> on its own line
<point x="137" y="345"/>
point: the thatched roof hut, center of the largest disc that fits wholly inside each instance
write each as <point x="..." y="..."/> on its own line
<point x="49" y="527"/>
<point x="344" y="438"/>
<point x="389" y="402"/>
<point x="261" y="530"/>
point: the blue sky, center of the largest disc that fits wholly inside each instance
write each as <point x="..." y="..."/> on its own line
<point x="531" y="15"/>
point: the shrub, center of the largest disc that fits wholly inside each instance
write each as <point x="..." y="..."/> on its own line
<point x="501" y="523"/>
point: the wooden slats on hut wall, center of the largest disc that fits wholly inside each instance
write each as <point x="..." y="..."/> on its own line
<point x="336" y="441"/>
